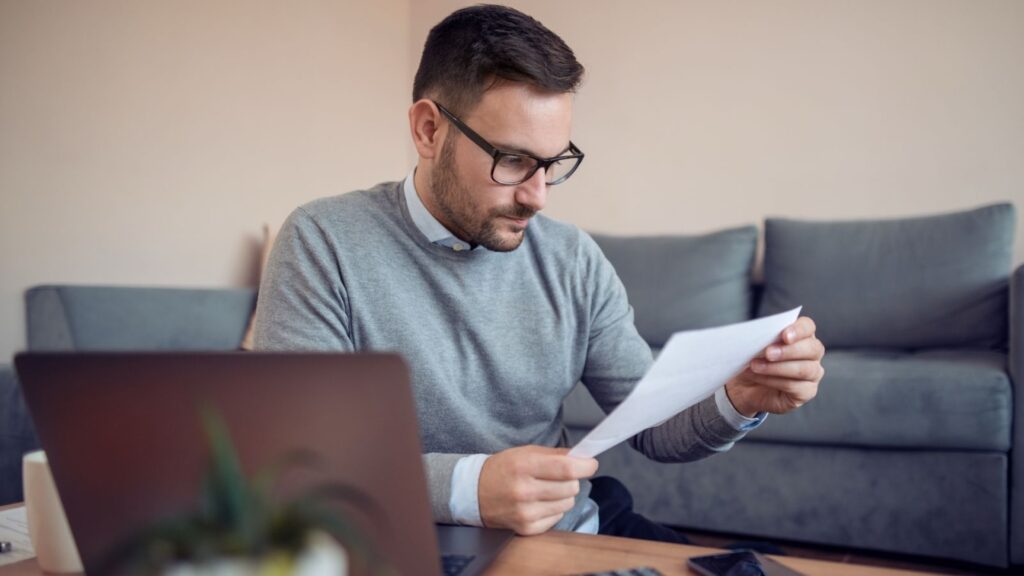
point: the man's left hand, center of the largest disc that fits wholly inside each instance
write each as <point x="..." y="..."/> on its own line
<point x="784" y="376"/>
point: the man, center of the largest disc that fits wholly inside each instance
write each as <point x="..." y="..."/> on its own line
<point x="498" y="310"/>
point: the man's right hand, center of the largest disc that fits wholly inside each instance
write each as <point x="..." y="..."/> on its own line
<point x="528" y="489"/>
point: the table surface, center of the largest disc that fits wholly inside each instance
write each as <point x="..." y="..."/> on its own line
<point x="570" y="553"/>
<point x="559" y="553"/>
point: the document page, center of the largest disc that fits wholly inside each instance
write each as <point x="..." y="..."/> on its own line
<point x="691" y="366"/>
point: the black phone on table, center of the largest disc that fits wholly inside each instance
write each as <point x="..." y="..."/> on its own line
<point x="738" y="563"/>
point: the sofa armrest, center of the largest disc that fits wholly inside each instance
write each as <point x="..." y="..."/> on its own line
<point x="17" y="435"/>
<point x="1016" y="358"/>
<point x="1017" y="327"/>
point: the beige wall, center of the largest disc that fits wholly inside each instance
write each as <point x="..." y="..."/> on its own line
<point x="144" y="142"/>
<point x="697" y="115"/>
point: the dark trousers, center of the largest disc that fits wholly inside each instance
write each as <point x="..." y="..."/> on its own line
<point x="615" y="512"/>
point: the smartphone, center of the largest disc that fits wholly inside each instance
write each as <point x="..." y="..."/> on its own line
<point x="739" y="563"/>
<point x="645" y="571"/>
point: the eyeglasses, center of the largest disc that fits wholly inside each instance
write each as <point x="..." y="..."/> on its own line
<point x="511" y="168"/>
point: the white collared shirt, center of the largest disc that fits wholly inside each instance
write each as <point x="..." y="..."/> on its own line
<point x="425" y="221"/>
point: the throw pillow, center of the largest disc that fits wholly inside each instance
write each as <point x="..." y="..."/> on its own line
<point x="268" y="243"/>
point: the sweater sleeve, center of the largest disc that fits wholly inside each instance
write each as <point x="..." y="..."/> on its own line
<point x="440" y="468"/>
<point x="617" y="357"/>
<point x="303" y="306"/>
<point x="302" y="303"/>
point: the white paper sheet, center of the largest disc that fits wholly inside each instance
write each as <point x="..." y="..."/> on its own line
<point x="691" y="366"/>
<point x="14" y="529"/>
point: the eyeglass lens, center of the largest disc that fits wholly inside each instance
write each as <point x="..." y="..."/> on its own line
<point x="516" y="168"/>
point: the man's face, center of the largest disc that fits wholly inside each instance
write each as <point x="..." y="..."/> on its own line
<point x="513" y="118"/>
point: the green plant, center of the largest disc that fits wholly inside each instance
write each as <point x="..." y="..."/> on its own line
<point x="238" y="518"/>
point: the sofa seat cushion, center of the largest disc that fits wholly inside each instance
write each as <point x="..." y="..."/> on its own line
<point x="937" y="399"/>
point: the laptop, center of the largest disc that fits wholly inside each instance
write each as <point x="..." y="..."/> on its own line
<point x="124" y="437"/>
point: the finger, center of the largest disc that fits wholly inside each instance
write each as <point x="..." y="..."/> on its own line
<point x="546" y="450"/>
<point x="804" y="327"/>
<point x="540" y="526"/>
<point x="538" y="517"/>
<point x="538" y="511"/>
<point x="799" y="390"/>
<point x="558" y="467"/>
<point x="792" y="369"/>
<point x="806" y="349"/>
<point x="547" y="490"/>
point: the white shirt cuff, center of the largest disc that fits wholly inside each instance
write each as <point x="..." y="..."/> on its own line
<point x="734" y="418"/>
<point x="589" y="521"/>
<point x="465" y="503"/>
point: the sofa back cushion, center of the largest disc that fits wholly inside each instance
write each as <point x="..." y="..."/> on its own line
<point x="904" y="283"/>
<point x="684" y="282"/>
<point x="134" y="318"/>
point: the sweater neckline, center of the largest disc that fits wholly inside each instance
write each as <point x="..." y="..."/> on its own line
<point x="398" y="199"/>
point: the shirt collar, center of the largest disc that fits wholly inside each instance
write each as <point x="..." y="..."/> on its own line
<point x="425" y="221"/>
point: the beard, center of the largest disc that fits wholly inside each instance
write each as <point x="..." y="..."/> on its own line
<point x="455" y="201"/>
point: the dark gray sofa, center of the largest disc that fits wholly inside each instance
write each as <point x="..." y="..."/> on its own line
<point x="914" y="444"/>
<point x="112" y="318"/>
<point x="16" y="436"/>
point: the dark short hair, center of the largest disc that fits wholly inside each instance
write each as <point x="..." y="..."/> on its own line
<point x="477" y="47"/>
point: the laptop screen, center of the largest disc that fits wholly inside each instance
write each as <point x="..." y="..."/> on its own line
<point x="124" y="437"/>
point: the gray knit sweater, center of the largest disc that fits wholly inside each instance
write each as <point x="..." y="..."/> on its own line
<point x="494" y="341"/>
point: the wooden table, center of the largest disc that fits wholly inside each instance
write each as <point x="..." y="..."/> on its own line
<point x="561" y="553"/>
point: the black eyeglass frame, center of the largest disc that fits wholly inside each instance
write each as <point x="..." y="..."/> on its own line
<point x="496" y="154"/>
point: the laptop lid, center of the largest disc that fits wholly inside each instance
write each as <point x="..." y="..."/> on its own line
<point x="123" y="435"/>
